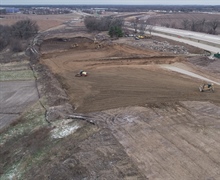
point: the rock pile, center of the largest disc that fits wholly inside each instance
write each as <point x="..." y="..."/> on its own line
<point x="162" y="47"/>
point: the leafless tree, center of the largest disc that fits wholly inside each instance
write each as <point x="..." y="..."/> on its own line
<point x="150" y="28"/>
<point x="135" y="24"/>
<point x="193" y="25"/>
<point x="4" y="36"/>
<point x="185" y="24"/>
<point x="102" y="24"/>
<point x="142" y="27"/>
<point x="24" y="29"/>
<point x="173" y="25"/>
<point x="214" y="24"/>
<point x="201" y="25"/>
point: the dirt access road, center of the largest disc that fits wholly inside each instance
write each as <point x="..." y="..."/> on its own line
<point x="164" y="124"/>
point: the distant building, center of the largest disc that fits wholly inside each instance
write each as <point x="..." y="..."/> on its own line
<point x="11" y="10"/>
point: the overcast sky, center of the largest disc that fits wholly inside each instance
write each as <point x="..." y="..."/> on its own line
<point x="162" y="2"/>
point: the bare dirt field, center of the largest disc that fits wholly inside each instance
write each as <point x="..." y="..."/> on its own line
<point x="164" y="124"/>
<point x="44" y="22"/>
<point x="119" y="76"/>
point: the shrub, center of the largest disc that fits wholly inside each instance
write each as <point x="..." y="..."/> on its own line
<point x="4" y="36"/>
<point x="115" y="31"/>
<point x="16" y="45"/>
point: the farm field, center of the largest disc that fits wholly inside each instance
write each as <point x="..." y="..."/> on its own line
<point x="44" y="22"/>
<point x="18" y="91"/>
<point x="130" y="118"/>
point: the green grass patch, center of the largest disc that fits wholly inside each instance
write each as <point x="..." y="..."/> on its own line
<point x="16" y="75"/>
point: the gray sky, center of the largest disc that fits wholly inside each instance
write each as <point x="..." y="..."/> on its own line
<point x="163" y="2"/>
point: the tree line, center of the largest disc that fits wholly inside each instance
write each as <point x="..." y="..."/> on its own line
<point x="201" y="25"/>
<point x="111" y="24"/>
<point x="13" y="36"/>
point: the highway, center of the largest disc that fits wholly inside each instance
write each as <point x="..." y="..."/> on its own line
<point x="201" y="40"/>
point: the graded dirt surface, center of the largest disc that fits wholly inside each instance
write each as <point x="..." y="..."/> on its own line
<point x="119" y="76"/>
<point x="155" y="119"/>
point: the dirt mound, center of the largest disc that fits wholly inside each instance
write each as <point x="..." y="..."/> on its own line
<point x="76" y="43"/>
<point x="201" y="61"/>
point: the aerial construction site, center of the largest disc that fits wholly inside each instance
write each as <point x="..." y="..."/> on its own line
<point x="137" y="113"/>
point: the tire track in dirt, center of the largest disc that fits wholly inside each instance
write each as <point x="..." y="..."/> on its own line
<point x="163" y="141"/>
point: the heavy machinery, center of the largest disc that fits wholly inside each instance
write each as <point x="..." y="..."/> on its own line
<point x="206" y="87"/>
<point x="217" y="55"/>
<point x="81" y="74"/>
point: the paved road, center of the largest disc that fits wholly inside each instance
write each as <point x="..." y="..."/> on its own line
<point x="204" y="41"/>
<point x="207" y="42"/>
<point x="190" y="34"/>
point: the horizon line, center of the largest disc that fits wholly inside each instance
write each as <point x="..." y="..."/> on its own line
<point x="118" y="4"/>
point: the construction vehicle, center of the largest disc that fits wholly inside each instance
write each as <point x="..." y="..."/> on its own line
<point x="143" y="36"/>
<point x="217" y="55"/>
<point x="81" y="74"/>
<point x="206" y="87"/>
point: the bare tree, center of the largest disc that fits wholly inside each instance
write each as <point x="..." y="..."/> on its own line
<point x="4" y="36"/>
<point x="201" y="25"/>
<point x="24" y="29"/>
<point x="173" y="25"/>
<point x="214" y="24"/>
<point x="150" y="28"/>
<point x="142" y="27"/>
<point x="193" y="25"/>
<point x="185" y="24"/>
<point x="102" y="24"/>
<point x="135" y="24"/>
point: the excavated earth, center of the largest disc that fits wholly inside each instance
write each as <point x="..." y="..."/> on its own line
<point x="131" y="118"/>
<point x="150" y="123"/>
<point x="119" y="75"/>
